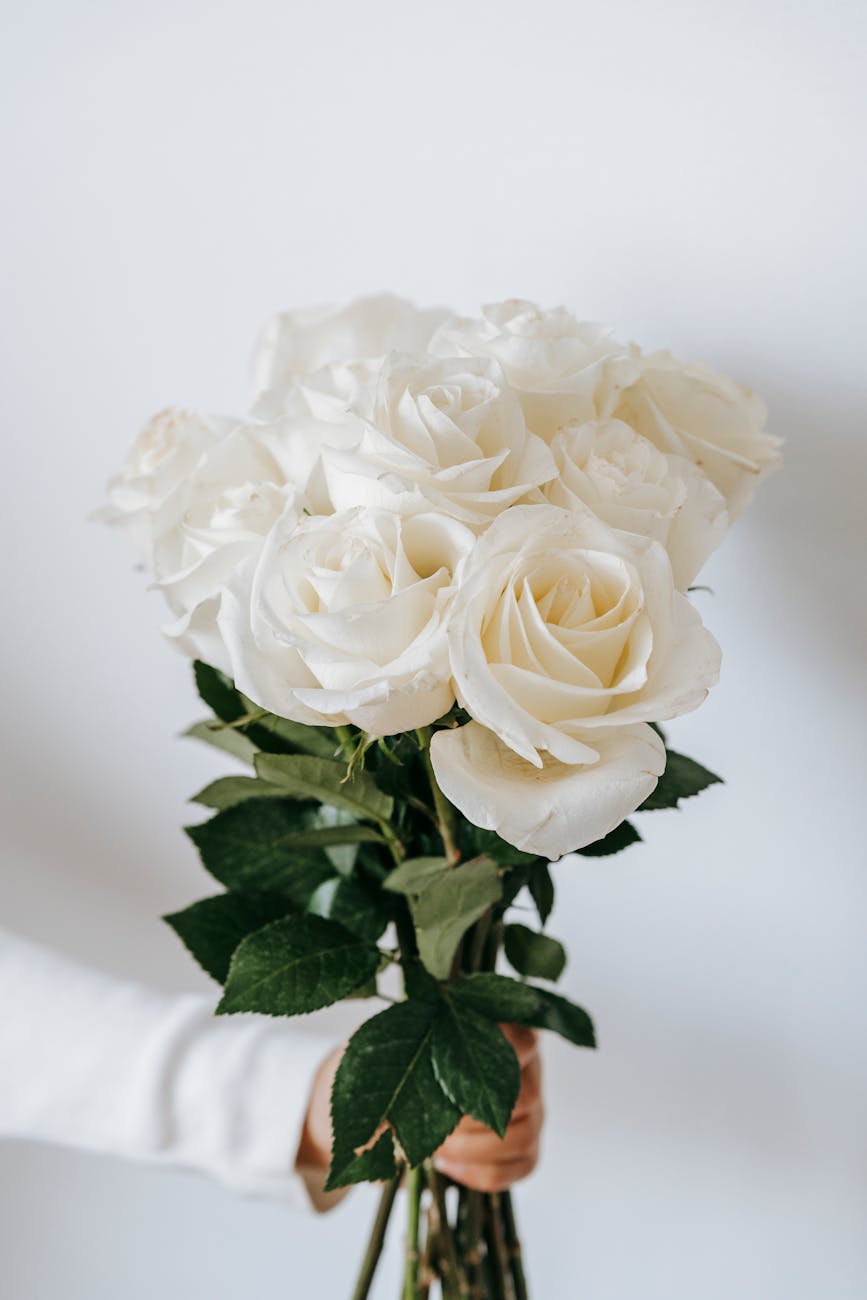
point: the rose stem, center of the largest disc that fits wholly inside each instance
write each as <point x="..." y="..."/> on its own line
<point x="501" y="1274"/>
<point x="471" y="1232"/>
<point x="414" y="1190"/>
<point x="454" y="1283"/>
<point x="377" y="1239"/>
<point x="445" y="815"/>
<point x="514" y="1246"/>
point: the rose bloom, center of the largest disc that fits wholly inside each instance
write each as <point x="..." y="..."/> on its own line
<point x="297" y="344"/>
<point x="342" y="618"/>
<point x="687" y="409"/>
<point x="555" y="363"/>
<point x="631" y="485"/>
<point x="448" y="434"/>
<point x="566" y="639"/>
<point x="166" y="450"/>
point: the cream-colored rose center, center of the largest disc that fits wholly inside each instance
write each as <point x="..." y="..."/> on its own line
<point x="564" y="634"/>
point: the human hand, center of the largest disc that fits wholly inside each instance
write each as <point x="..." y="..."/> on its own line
<point x="472" y="1154"/>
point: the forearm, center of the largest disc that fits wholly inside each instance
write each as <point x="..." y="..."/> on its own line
<point x="90" y="1061"/>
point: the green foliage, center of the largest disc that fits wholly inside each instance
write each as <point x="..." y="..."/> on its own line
<point x="387" y="1076"/>
<point x="218" y="692"/>
<point x="503" y="999"/>
<point x="375" y="1164"/>
<point x="446" y="909"/>
<point x="541" y="888"/>
<point x="534" y="954"/>
<point x="309" y="849"/>
<point x="620" y="838"/>
<point x="357" y="906"/>
<point x="683" y="777"/>
<point x="264" y="730"/>
<point x="414" y="875"/>
<point x="562" y="1017"/>
<point x="228" y="739"/>
<point x="499" y="997"/>
<point x="212" y="928"/>
<point x="227" y="791"/>
<point x="475" y="1064"/>
<point x="296" y="965"/>
<point x="245" y="847"/>
<point x="302" y="776"/>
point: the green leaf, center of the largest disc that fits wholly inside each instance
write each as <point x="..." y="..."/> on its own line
<point x="321" y="742"/>
<point x="418" y="982"/>
<point x="503" y="999"/>
<point x="620" y="838"/>
<point x="268" y="732"/>
<point x="218" y="692"/>
<point x="304" y="777"/>
<point x="504" y="854"/>
<point x="541" y="888"/>
<point x="386" y="1075"/>
<point x="476" y="1065"/>
<point x="212" y="928"/>
<point x="374" y="1165"/>
<point x="499" y="997"/>
<point x="297" y="965"/>
<point x="414" y="875"/>
<point x="448" y="907"/>
<point x="562" y="1017"/>
<point x="328" y="836"/>
<point x="682" y="779"/>
<point x="534" y="954"/>
<point x="227" y="739"/>
<point x="353" y="904"/>
<point x="245" y="848"/>
<point x="230" y="790"/>
<point x="344" y="853"/>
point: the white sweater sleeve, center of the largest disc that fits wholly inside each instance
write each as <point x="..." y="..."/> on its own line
<point x="91" y="1061"/>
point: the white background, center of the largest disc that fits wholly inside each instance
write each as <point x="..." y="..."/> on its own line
<point x="691" y="173"/>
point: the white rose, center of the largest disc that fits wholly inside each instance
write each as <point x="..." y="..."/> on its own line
<point x="448" y="434"/>
<point x="342" y="619"/>
<point x="555" y="363"/>
<point x="688" y="409"/>
<point x="165" y="451"/>
<point x="297" y="344"/>
<point x="215" y="520"/>
<point x="631" y="485"/>
<point x="562" y="631"/>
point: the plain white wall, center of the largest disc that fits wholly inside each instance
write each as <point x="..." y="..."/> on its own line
<point x="693" y="174"/>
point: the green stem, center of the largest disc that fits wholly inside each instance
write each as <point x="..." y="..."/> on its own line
<point x="347" y="741"/>
<point x="501" y="1277"/>
<point x="514" y="1247"/>
<point x="470" y="1223"/>
<point x="453" y="1280"/>
<point x="444" y="811"/>
<point x="377" y="1239"/>
<point x="410" y="1276"/>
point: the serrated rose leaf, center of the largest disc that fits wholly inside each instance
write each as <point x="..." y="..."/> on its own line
<point x="297" y="965"/>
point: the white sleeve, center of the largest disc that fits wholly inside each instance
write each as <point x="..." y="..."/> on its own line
<point x="91" y="1061"/>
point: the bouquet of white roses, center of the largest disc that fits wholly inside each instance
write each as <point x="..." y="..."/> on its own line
<point x="436" y="588"/>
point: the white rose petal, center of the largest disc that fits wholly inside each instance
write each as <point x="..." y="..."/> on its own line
<point x="449" y="433"/>
<point x="687" y="409"/>
<point x="215" y="520"/>
<point x="297" y="344"/>
<point x="556" y="808"/>
<point x="631" y="485"/>
<point x="555" y="363"/>
<point x="342" y="619"/>
<point x="562" y="624"/>
<point x="165" y="452"/>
